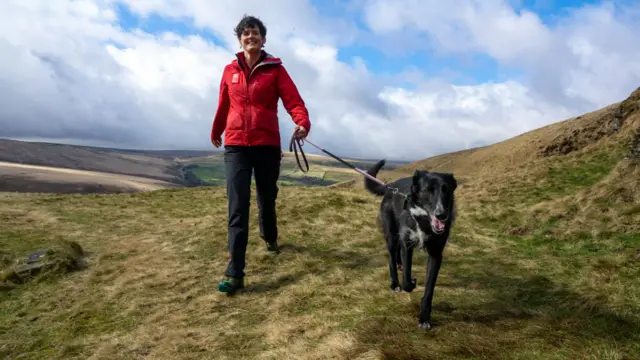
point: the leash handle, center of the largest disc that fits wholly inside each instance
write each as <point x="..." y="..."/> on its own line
<point x="292" y="147"/>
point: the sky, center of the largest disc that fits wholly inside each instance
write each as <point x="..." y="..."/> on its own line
<point x="401" y="79"/>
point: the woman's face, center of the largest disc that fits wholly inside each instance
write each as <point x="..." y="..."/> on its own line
<point x="251" y="40"/>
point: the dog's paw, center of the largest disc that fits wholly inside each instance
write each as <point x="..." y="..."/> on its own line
<point x="395" y="288"/>
<point x="425" y="325"/>
<point x="408" y="288"/>
<point x="412" y="285"/>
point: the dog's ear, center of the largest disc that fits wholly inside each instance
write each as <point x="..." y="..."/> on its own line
<point x="454" y="182"/>
<point x="416" y="177"/>
<point x="417" y="174"/>
<point x="415" y="183"/>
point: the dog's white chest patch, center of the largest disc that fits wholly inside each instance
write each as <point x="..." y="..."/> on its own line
<point x="418" y="211"/>
<point x="417" y="237"/>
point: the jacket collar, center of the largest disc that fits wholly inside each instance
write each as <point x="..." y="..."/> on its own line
<point x="265" y="59"/>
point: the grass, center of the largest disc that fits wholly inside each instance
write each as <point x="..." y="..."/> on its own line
<point x="543" y="264"/>
<point x="156" y="258"/>
<point x="211" y="174"/>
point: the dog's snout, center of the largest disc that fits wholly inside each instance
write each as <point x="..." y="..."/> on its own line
<point x="441" y="216"/>
<point x="440" y="213"/>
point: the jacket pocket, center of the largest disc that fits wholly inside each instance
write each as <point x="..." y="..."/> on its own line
<point x="235" y="121"/>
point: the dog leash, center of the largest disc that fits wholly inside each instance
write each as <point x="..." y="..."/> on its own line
<point x="292" y="147"/>
<point x="296" y="144"/>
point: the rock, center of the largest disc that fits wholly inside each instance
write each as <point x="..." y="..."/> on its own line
<point x="63" y="257"/>
<point x="591" y="131"/>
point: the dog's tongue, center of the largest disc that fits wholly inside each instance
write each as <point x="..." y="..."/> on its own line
<point x="437" y="224"/>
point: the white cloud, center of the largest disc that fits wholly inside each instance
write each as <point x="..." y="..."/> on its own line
<point x="586" y="61"/>
<point x="70" y="72"/>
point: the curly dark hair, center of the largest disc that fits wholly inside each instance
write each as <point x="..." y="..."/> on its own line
<point x="248" y="21"/>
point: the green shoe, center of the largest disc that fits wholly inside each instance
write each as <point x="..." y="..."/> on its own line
<point x="230" y="285"/>
<point x="273" y="249"/>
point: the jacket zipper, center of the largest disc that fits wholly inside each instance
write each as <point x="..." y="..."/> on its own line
<point x="246" y="89"/>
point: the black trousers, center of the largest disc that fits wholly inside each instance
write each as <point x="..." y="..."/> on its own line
<point x="240" y="163"/>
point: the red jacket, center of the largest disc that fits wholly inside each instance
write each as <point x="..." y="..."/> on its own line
<point x="248" y="102"/>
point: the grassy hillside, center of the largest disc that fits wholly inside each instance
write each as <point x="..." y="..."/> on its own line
<point x="323" y="170"/>
<point x="603" y="128"/>
<point x="543" y="264"/>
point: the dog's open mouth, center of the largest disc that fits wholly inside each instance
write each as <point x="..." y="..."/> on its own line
<point x="437" y="225"/>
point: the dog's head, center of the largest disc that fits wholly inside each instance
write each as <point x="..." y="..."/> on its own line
<point x="432" y="196"/>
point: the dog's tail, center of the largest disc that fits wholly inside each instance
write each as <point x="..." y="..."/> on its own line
<point x="371" y="185"/>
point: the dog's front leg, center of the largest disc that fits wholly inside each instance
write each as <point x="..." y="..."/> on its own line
<point x="392" y="247"/>
<point x="433" y="267"/>
<point x="408" y="281"/>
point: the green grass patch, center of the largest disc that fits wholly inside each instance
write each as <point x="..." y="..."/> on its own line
<point x="560" y="177"/>
<point x="212" y="172"/>
<point x="340" y="176"/>
<point x="208" y="174"/>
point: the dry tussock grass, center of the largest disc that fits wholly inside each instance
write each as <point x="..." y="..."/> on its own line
<point x="155" y="259"/>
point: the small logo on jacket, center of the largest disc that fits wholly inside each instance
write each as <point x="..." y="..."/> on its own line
<point x="234" y="78"/>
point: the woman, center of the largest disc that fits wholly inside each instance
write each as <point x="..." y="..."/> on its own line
<point x="248" y="115"/>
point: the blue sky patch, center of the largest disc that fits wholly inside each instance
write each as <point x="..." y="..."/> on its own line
<point x="459" y="69"/>
<point x="156" y="24"/>
<point x="551" y="11"/>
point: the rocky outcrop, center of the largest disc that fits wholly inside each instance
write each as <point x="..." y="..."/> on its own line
<point x="62" y="257"/>
<point x="593" y="128"/>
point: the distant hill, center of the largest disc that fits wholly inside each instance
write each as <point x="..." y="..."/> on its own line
<point x="323" y="170"/>
<point x="50" y="163"/>
<point x="155" y="153"/>
<point x="153" y="165"/>
<point x="16" y="177"/>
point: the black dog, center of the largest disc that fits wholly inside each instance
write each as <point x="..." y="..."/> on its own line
<point x="418" y="217"/>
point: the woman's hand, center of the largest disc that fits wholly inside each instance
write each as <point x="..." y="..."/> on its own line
<point x="300" y="132"/>
<point x="217" y="142"/>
